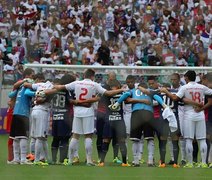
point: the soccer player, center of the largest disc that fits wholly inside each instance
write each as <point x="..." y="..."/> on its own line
<point x="114" y="127"/>
<point x="175" y="86"/>
<point x="207" y="81"/>
<point x="194" y="125"/>
<point x="101" y="119"/>
<point x="127" y="108"/>
<point x="141" y="120"/>
<point x="40" y="118"/>
<point x="62" y="117"/>
<point x="20" y="124"/>
<point x="83" y="122"/>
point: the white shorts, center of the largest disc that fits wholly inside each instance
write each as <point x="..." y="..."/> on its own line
<point x="195" y="129"/>
<point x="127" y="120"/>
<point x="40" y="123"/>
<point x="83" y="125"/>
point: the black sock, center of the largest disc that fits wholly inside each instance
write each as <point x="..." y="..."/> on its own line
<point x="54" y="154"/>
<point x="63" y="153"/>
<point x="195" y="151"/>
<point x="105" y="147"/>
<point x="175" y="151"/>
<point x="99" y="146"/>
<point x="162" y="150"/>
<point x="115" y="149"/>
<point x="123" y="149"/>
<point x="208" y="149"/>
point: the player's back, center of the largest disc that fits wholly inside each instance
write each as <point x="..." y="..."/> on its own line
<point x="194" y="92"/>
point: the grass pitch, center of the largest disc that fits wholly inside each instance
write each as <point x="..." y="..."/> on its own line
<point x="111" y="171"/>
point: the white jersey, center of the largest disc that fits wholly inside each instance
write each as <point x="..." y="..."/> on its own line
<point x="42" y="86"/>
<point x="195" y="92"/>
<point x="83" y="90"/>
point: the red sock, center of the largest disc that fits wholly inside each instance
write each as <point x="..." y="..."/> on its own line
<point x="10" y="149"/>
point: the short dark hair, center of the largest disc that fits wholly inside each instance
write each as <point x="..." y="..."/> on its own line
<point x="151" y="78"/>
<point x="67" y="78"/>
<point x="143" y="84"/>
<point x="28" y="72"/>
<point x="177" y="75"/>
<point x="89" y="73"/>
<point x="40" y="76"/>
<point x="208" y="76"/>
<point x="191" y="75"/>
<point x="131" y="77"/>
<point x="114" y="83"/>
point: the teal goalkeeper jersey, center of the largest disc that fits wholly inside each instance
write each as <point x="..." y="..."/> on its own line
<point x="137" y="94"/>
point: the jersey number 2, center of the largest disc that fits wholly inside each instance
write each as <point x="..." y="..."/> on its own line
<point x="84" y="93"/>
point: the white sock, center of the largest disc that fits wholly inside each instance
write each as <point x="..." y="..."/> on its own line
<point x="171" y="149"/>
<point x="189" y="150"/>
<point x="75" y="153"/>
<point x="136" y="151"/>
<point x="210" y="155"/>
<point x="141" y="147"/>
<point x="72" y="148"/>
<point x="32" y="145"/>
<point x="38" y="149"/>
<point x="182" y="148"/>
<point x="88" y="149"/>
<point x="23" y="148"/>
<point x="151" y="149"/>
<point x="203" y="150"/>
<point x="16" y="150"/>
<point x="45" y="149"/>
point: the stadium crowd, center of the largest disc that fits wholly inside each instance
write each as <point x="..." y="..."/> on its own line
<point x="102" y="32"/>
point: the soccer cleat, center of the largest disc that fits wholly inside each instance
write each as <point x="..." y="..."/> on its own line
<point x="202" y="165"/>
<point x="13" y="162"/>
<point x="76" y="160"/>
<point x="40" y="163"/>
<point x="30" y="157"/>
<point x="67" y="163"/>
<point x="171" y="162"/>
<point x="117" y="161"/>
<point x="210" y="165"/>
<point x="135" y="165"/>
<point x="90" y="164"/>
<point x="188" y="165"/>
<point x="183" y="162"/>
<point x="142" y="161"/>
<point x="162" y="165"/>
<point x="101" y="164"/>
<point x="26" y="163"/>
<point x="176" y="165"/>
<point x="125" y="165"/>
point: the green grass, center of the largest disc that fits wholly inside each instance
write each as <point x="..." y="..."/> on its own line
<point x="110" y="171"/>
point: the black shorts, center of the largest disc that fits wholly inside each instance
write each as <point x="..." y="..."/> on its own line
<point x="19" y="127"/>
<point x="142" y="122"/>
<point x="114" y="130"/>
<point x="100" y="123"/>
<point x="165" y="130"/>
<point x="209" y="128"/>
<point x="62" y="128"/>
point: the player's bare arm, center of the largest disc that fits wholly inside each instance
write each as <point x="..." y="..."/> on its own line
<point x="174" y="97"/>
<point x="206" y="106"/>
<point x="113" y="92"/>
<point x="131" y="100"/>
<point x="144" y="90"/>
<point x="191" y="102"/>
<point x="59" y="87"/>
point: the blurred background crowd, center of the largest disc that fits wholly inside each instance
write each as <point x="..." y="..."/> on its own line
<point x="104" y="32"/>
